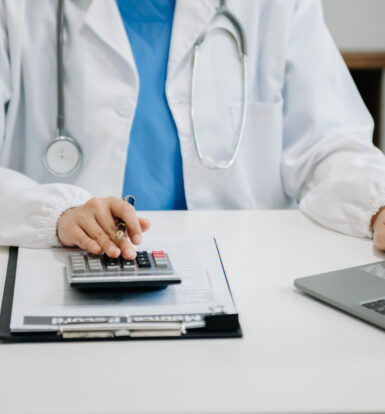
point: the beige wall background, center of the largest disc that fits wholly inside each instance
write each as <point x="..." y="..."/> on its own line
<point x="359" y="26"/>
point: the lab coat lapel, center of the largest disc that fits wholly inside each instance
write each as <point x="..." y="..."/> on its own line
<point x="190" y="19"/>
<point x="103" y="18"/>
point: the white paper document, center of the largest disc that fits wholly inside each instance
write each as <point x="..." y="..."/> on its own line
<point x="43" y="298"/>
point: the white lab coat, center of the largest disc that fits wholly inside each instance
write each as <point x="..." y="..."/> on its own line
<point x="307" y="136"/>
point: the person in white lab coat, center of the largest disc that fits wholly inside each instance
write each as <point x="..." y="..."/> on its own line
<point x="307" y="137"/>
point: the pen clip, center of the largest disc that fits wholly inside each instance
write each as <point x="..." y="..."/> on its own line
<point x="130" y="199"/>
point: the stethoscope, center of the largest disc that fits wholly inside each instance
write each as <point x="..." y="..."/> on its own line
<point x="63" y="155"/>
<point x="240" y="42"/>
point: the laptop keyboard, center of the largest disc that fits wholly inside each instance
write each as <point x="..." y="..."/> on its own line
<point x="377" y="306"/>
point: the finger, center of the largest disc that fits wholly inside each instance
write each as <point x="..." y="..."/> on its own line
<point x="379" y="237"/>
<point x="107" y="223"/>
<point x="128" y="252"/>
<point x="378" y="218"/>
<point x="127" y="213"/>
<point x="82" y="240"/>
<point x="145" y="224"/>
<point x="95" y="232"/>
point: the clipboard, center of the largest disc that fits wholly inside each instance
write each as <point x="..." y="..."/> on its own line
<point x="216" y="325"/>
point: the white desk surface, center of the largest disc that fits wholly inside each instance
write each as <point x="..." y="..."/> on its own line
<point x="297" y="355"/>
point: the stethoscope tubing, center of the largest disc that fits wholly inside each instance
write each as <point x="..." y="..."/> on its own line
<point x="60" y="121"/>
<point x="205" y="160"/>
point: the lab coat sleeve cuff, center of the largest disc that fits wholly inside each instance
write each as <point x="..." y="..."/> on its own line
<point x="57" y="208"/>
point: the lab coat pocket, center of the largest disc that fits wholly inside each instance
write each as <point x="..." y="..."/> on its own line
<point x="260" y="153"/>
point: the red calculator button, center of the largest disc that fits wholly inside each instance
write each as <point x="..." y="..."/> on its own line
<point x="158" y="254"/>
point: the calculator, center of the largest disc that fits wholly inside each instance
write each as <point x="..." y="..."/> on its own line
<point x="149" y="271"/>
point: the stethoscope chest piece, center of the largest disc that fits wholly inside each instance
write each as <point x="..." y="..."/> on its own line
<point x="63" y="156"/>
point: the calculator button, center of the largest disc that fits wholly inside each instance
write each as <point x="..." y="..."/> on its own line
<point x="112" y="265"/>
<point x="78" y="269"/>
<point x="143" y="263"/>
<point x="128" y="265"/>
<point x="158" y="254"/>
<point x="93" y="259"/>
<point x="94" y="262"/>
<point x="78" y="264"/>
<point x="110" y="261"/>
<point x="77" y="260"/>
<point x="142" y="255"/>
<point x="112" y="268"/>
<point x="128" y="262"/>
<point x="160" y="262"/>
<point x="96" y="269"/>
<point x="94" y="265"/>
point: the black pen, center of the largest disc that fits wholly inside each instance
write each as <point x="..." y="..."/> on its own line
<point x="121" y="226"/>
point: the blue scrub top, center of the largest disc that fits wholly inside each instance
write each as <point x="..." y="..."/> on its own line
<point x="153" y="172"/>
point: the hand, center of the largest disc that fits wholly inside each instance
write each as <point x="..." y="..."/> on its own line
<point x="378" y="226"/>
<point x="91" y="226"/>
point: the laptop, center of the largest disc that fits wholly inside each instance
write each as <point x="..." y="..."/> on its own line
<point x="359" y="291"/>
